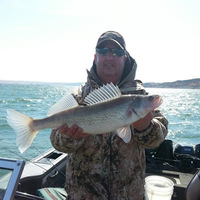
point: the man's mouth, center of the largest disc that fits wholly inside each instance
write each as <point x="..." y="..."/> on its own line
<point x="108" y="64"/>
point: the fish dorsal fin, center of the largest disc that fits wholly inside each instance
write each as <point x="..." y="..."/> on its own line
<point x="103" y="94"/>
<point x="65" y="103"/>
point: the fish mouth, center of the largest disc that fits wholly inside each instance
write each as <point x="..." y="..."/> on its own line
<point x="157" y="100"/>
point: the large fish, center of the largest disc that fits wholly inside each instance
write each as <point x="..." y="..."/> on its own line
<point x="106" y="110"/>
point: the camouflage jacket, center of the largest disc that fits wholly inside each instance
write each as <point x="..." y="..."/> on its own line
<point x="103" y="167"/>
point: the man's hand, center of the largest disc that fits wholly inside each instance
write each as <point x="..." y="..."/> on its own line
<point x="142" y="124"/>
<point x="74" y="131"/>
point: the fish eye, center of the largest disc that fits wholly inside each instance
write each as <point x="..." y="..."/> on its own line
<point x="151" y="98"/>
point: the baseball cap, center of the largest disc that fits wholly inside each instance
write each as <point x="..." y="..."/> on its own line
<point x="111" y="36"/>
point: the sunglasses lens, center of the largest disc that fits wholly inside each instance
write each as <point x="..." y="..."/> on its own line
<point x="104" y="51"/>
<point x="115" y="52"/>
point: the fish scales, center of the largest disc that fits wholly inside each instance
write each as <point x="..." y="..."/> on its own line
<point x="94" y="119"/>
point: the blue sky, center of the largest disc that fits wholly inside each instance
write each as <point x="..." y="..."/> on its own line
<point x="54" y="40"/>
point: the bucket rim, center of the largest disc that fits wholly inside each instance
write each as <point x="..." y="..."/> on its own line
<point x="153" y="177"/>
<point x="159" y="184"/>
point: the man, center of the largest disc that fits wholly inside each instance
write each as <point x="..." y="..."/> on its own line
<point x="104" y="167"/>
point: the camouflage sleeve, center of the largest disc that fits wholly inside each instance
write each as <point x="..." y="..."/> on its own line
<point x="63" y="143"/>
<point x="155" y="134"/>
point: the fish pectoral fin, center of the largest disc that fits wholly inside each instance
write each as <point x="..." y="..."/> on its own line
<point x="65" y="103"/>
<point x="124" y="133"/>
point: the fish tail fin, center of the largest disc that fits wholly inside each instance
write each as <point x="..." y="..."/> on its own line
<point x="23" y="126"/>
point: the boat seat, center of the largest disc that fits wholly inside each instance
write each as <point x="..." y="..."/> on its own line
<point x="193" y="188"/>
<point x="52" y="193"/>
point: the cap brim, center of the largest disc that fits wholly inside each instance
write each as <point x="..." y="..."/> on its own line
<point x="100" y="44"/>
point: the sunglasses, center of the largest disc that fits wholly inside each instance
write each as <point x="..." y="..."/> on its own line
<point x="115" y="52"/>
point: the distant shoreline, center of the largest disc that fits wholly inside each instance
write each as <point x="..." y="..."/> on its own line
<point x="182" y="84"/>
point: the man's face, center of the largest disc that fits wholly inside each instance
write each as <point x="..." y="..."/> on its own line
<point x="109" y="68"/>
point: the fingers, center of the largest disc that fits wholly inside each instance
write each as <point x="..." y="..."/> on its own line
<point x="74" y="131"/>
<point x="144" y="123"/>
<point x="63" y="129"/>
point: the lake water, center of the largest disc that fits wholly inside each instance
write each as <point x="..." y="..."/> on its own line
<point x="180" y="106"/>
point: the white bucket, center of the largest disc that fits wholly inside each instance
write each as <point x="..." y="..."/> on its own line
<point x="158" y="188"/>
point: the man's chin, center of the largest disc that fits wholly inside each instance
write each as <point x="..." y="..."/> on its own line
<point x="109" y="71"/>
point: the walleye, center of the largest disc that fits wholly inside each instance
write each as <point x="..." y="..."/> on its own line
<point x="107" y="110"/>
